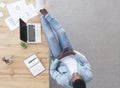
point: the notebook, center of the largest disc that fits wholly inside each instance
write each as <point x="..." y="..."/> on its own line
<point x="34" y="65"/>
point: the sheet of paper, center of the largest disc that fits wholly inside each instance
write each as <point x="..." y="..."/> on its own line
<point x="1" y="14"/>
<point x="2" y="5"/>
<point x="12" y="23"/>
<point x="16" y="8"/>
<point x="28" y="13"/>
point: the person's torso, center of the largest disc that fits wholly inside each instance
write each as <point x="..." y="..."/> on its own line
<point x="64" y="69"/>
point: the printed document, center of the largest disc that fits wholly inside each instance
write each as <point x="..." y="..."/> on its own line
<point x="28" y="13"/>
<point x="12" y="23"/>
<point x="18" y="10"/>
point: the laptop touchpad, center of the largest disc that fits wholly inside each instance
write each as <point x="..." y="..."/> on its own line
<point x="31" y="33"/>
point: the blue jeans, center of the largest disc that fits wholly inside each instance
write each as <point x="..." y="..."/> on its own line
<point x="55" y="34"/>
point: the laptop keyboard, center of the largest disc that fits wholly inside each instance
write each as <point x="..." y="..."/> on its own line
<point x="31" y="33"/>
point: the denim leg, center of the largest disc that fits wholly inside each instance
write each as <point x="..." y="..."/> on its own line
<point x="52" y="41"/>
<point x="62" y="36"/>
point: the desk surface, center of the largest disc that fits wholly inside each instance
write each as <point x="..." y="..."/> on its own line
<point x="16" y="75"/>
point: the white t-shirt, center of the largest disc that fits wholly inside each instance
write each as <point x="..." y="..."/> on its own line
<point x="71" y="63"/>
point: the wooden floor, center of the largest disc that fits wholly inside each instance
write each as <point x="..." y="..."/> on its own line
<point x="16" y="75"/>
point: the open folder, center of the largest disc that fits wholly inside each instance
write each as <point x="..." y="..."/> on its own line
<point x="34" y="65"/>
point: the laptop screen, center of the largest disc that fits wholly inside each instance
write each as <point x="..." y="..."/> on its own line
<point x="23" y="31"/>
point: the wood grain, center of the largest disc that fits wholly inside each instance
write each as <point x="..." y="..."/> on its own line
<point x="16" y="75"/>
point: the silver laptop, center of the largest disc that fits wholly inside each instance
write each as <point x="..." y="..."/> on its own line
<point x="30" y="32"/>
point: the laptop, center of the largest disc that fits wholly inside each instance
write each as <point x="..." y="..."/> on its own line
<point x="30" y="32"/>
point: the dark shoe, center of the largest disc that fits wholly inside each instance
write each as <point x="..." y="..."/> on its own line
<point x="44" y="12"/>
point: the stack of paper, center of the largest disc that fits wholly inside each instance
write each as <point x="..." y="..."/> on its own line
<point x="34" y="65"/>
<point x="18" y="10"/>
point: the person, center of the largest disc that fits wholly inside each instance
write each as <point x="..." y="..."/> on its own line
<point x="69" y="68"/>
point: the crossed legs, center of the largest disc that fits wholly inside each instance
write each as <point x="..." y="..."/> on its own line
<point x="56" y="36"/>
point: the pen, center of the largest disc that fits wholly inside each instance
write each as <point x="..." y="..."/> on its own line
<point x="31" y="60"/>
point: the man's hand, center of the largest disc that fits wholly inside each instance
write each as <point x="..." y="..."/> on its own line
<point x="61" y="55"/>
<point x="70" y="52"/>
<point x="66" y="53"/>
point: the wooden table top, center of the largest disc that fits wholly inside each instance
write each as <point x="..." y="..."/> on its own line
<point x="16" y="75"/>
